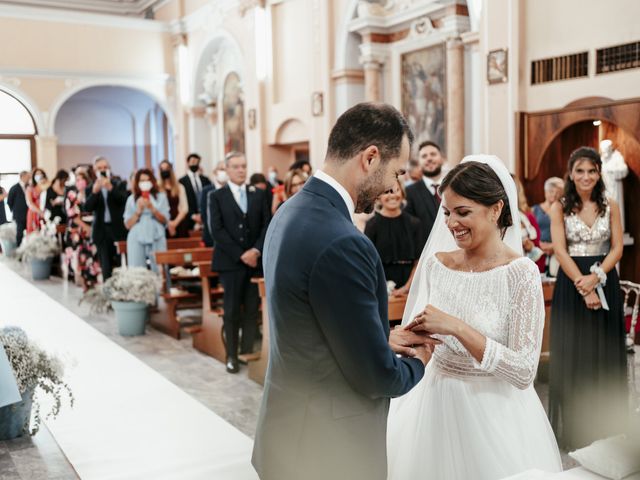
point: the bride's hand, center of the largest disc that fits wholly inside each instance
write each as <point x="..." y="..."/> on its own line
<point x="434" y="321"/>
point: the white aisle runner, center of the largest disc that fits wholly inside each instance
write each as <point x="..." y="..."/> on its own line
<point x="128" y="422"/>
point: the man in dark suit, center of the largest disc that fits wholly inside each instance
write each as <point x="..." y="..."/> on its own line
<point x="423" y="199"/>
<point x="106" y="199"/>
<point x="193" y="184"/>
<point x="238" y="220"/>
<point x="17" y="202"/>
<point x="332" y="363"/>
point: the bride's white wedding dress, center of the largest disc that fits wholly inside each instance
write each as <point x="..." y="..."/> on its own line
<point x="470" y="420"/>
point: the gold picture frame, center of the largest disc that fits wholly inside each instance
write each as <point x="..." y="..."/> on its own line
<point x="498" y="66"/>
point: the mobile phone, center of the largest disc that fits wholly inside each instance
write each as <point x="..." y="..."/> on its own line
<point x="103" y="174"/>
<point x="145" y="195"/>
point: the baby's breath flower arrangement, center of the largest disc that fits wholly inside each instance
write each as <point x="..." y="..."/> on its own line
<point x="34" y="369"/>
<point x="8" y="231"/>
<point x="39" y="246"/>
<point x="136" y="284"/>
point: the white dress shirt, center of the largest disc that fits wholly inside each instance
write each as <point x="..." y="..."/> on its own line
<point x="431" y="184"/>
<point x="236" y="189"/>
<point x="195" y="181"/>
<point x="320" y="175"/>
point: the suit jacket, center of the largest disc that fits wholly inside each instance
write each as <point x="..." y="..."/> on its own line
<point x="422" y="203"/>
<point x="236" y="232"/>
<point x="192" y="198"/>
<point x="207" y="238"/>
<point x="116" y="201"/>
<point x="18" y="203"/>
<point x="331" y="371"/>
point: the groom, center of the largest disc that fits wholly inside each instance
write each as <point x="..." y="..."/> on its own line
<point x="333" y="364"/>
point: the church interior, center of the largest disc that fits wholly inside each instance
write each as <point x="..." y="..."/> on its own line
<point x="172" y="93"/>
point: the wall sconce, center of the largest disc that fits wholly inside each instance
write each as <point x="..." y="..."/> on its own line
<point x="317" y="107"/>
<point x="251" y="118"/>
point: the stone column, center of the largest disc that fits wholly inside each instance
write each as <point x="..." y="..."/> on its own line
<point x="372" y="62"/>
<point x="455" y="100"/>
<point x="47" y="153"/>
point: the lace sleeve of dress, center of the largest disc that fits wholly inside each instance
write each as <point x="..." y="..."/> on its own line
<point x="517" y="362"/>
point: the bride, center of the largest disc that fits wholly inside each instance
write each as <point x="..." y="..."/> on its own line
<point x="475" y="413"/>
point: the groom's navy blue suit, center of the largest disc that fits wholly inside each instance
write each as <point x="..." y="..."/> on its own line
<point x="331" y="372"/>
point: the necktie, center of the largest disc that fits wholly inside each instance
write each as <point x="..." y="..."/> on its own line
<point x="243" y="200"/>
<point x="436" y="194"/>
<point x="107" y="212"/>
<point x="196" y="182"/>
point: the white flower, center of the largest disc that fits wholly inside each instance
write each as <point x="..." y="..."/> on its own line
<point x="8" y="231"/>
<point x="252" y="189"/>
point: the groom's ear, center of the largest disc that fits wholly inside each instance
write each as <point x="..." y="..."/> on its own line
<point x="370" y="158"/>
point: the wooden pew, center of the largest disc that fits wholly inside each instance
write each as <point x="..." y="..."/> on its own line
<point x="209" y="339"/>
<point x="258" y="368"/>
<point x="165" y="318"/>
<point x="172" y="244"/>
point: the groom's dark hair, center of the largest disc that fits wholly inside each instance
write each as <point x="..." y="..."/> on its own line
<point x="368" y="124"/>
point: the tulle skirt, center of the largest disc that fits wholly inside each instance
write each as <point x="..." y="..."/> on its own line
<point x="468" y="428"/>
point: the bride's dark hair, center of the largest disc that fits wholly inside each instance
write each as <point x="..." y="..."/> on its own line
<point x="478" y="182"/>
<point x="571" y="202"/>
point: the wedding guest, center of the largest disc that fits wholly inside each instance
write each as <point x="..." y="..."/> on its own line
<point x="17" y="202"/>
<point x="35" y="214"/>
<point x="146" y="215"/>
<point x="272" y="175"/>
<point x="193" y="183"/>
<point x="106" y="198"/>
<point x="414" y="173"/>
<point x="54" y="199"/>
<point x="398" y="238"/>
<point x="238" y="219"/>
<point x="294" y="180"/>
<point x="588" y="369"/>
<point x="423" y="199"/>
<point x="177" y="197"/>
<point x="80" y="254"/>
<point x="553" y="190"/>
<point x="258" y="180"/>
<point x="3" y="213"/>
<point x="303" y="165"/>
<point x="530" y="228"/>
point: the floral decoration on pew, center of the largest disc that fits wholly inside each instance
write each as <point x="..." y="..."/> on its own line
<point x="35" y="371"/>
<point x="136" y="284"/>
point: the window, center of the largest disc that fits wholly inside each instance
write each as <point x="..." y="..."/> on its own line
<point x="17" y="141"/>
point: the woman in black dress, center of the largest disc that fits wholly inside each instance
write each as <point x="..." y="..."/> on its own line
<point x="588" y="389"/>
<point x="177" y="196"/>
<point x="398" y="237"/>
<point x="55" y="196"/>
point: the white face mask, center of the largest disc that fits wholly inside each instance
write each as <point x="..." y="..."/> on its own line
<point x="221" y="176"/>
<point x="37" y="178"/>
<point x="273" y="177"/>
<point x="145" y="186"/>
<point x="71" y="181"/>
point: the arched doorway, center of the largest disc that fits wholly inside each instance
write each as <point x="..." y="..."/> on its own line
<point x="17" y="141"/>
<point x="547" y="139"/>
<point x="124" y="124"/>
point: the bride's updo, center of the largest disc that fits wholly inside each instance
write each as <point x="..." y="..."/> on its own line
<point x="478" y="182"/>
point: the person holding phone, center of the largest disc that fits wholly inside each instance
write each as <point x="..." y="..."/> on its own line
<point x="105" y="199"/>
<point x="146" y="216"/>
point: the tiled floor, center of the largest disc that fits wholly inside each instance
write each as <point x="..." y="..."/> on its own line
<point x="234" y="397"/>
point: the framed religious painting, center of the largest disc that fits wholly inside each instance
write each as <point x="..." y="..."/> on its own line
<point x="233" y="114"/>
<point x="424" y="94"/>
<point x="497" y="66"/>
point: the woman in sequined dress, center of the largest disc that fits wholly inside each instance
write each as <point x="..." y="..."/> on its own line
<point x="587" y="391"/>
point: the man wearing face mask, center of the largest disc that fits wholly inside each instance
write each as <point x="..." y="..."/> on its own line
<point x="220" y="179"/>
<point x="106" y="199"/>
<point x="193" y="184"/>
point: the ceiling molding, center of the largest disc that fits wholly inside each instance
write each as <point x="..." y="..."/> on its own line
<point x="71" y="74"/>
<point x="81" y="18"/>
<point x="135" y="8"/>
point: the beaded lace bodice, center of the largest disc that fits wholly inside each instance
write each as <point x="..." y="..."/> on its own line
<point x="505" y="304"/>
<point x="583" y="241"/>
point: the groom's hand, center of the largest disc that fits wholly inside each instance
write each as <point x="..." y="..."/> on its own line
<point x="405" y="342"/>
